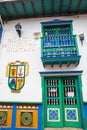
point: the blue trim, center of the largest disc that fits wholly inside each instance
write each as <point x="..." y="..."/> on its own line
<point x="56" y="21"/>
<point x="39" y="117"/>
<point x="62" y="57"/>
<point x="14" y="116"/>
<point x="85" y="110"/>
<point x="61" y="72"/>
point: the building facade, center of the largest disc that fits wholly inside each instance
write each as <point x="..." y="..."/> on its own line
<point x="43" y="74"/>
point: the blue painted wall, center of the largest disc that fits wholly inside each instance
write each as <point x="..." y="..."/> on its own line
<point x="85" y="110"/>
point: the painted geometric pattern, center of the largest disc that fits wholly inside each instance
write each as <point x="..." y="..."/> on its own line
<point x="3" y="118"/>
<point x="53" y="114"/>
<point x="71" y="114"/>
<point x="26" y="118"/>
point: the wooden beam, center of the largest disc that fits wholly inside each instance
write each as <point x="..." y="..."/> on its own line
<point x="69" y="8"/>
<point x="78" y="6"/>
<point x="6" y="10"/>
<point x="9" y="1"/>
<point x="17" y="15"/>
<point x="33" y="7"/>
<point x="43" y="7"/>
<point x="52" y="7"/>
<point x="25" y="12"/>
<point x="61" y="1"/>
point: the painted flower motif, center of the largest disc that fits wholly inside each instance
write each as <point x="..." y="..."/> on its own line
<point x="53" y="114"/>
<point x="71" y="114"/>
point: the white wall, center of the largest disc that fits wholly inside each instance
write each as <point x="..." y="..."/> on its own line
<point x="27" y="49"/>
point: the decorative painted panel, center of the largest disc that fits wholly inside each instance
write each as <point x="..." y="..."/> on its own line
<point x="71" y="114"/>
<point x="53" y="114"/>
<point x="26" y="119"/>
<point x="26" y="116"/>
<point x="20" y="116"/>
<point x="5" y="117"/>
<point x="16" y="75"/>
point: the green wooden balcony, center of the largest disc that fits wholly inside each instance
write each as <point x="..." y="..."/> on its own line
<point x="59" y="50"/>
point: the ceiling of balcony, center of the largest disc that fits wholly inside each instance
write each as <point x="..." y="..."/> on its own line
<point x="17" y="9"/>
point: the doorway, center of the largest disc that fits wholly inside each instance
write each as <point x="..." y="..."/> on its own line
<point x="62" y="102"/>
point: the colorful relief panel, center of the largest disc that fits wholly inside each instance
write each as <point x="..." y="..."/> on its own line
<point x="27" y="116"/>
<point x="5" y="116"/>
<point x="71" y="114"/>
<point x="16" y="73"/>
<point x="20" y="116"/>
<point x="53" y="114"/>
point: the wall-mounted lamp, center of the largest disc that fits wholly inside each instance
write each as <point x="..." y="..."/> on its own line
<point x="81" y="37"/>
<point x="18" y="29"/>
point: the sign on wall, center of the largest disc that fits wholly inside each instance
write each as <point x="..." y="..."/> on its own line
<point x="16" y="72"/>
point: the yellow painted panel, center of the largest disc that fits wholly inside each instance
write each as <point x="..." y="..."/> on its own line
<point x="13" y="71"/>
<point x="34" y="122"/>
<point x="8" y="117"/>
<point x="20" y="83"/>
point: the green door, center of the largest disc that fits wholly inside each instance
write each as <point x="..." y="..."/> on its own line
<point x="53" y="103"/>
<point x="61" y="102"/>
<point x="71" y="101"/>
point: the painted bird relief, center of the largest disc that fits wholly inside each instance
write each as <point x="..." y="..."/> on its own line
<point x="16" y="73"/>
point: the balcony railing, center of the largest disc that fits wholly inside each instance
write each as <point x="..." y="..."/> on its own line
<point x="59" y="48"/>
